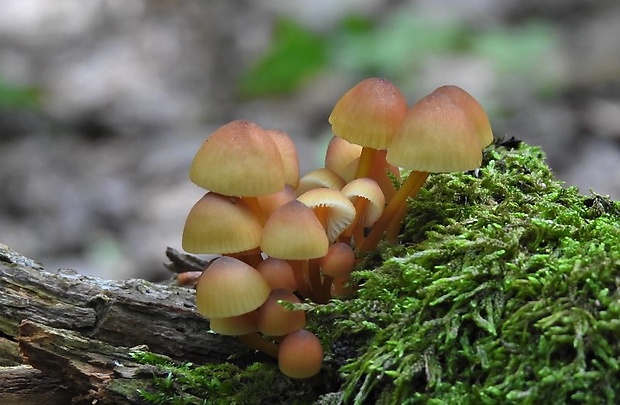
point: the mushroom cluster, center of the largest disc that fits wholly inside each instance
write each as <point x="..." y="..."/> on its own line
<point x="283" y="238"/>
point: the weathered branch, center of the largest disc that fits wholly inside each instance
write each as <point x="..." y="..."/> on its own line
<point x="69" y="321"/>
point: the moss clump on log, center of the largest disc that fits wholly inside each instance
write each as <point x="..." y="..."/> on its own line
<point x="503" y="289"/>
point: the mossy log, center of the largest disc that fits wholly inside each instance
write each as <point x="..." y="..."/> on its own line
<point x="78" y="331"/>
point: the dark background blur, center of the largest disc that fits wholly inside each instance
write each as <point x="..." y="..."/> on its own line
<point x="104" y="103"/>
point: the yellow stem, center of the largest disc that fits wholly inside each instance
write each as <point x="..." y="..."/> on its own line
<point x="393" y="229"/>
<point x="360" y="206"/>
<point x="409" y="187"/>
<point x="364" y="166"/>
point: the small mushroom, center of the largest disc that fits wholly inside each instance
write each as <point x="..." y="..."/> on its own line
<point x="300" y="355"/>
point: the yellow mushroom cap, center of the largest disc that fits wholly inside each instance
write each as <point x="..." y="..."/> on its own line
<point x="300" y="354"/>
<point x="340" y="153"/>
<point x="229" y="287"/>
<point x="369" y="189"/>
<point x="235" y="325"/>
<point x="293" y="232"/>
<point x="289" y="155"/>
<point x="319" y="178"/>
<point x="339" y="211"/>
<point x="369" y="114"/>
<point x="436" y="136"/>
<point x="473" y="109"/>
<point x="239" y="159"/>
<point x="220" y="224"/>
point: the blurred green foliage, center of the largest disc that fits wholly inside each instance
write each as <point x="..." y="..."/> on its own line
<point x="18" y="97"/>
<point x="396" y="47"/>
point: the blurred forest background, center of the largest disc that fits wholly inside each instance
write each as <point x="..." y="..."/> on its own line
<point x="104" y="103"/>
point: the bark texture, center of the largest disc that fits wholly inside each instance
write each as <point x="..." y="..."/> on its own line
<point x="75" y="333"/>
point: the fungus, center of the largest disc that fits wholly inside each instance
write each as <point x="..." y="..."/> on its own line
<point x="274" y="319"/>
<point x="369" y="115"/>
<point x="319" y="178"/>
<point x="339" y="154"/>
<point x="294" y="233"/>
<point x="300" y="354"/>
<point x="229" y="287"/>
<point x="337" y="264"/>
<point x="235" y="325"/>
<point x="369" y="201"/>
<point x="239" y="159"/>
<point x="220" y="224"/>
<point x="288" y="153"/>
<point x="278" y="273"/>
<point x="333" y="209"/>
<point x="436" y="136"/>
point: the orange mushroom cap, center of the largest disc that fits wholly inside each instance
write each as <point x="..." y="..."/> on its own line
<point x="369" y="114"/>
<point x="274" y="319"/>
<point x="300" y="354"/>
<point x="436" y="136"/>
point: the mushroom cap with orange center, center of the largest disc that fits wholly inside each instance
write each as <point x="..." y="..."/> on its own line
<point x="220" y="224"/>
<point x="369" y="189"/>
<point x="436" y="136"/>
<point x="289" y="155"/>
<point x="338" y="211"/>
<point x="229" y="287"/>
<point x="239" y="159"/>
<point x="369" y="114"/>
<point x="300" y="354"/>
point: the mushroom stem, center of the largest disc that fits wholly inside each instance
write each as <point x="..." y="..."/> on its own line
<point x="360" y="207"/>
<point x="257" y="342"/>
<point x="325" y="293"/>
<point x="393" y="229"/>
<point x="299" y="272"/>
<point x="314" y="275"/>
<point x="364" y="166"/>
<point x="409" y="187"/>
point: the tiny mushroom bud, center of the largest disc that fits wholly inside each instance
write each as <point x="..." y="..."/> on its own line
<point x="300" y="354"/>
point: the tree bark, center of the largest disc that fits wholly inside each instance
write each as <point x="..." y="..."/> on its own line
<point x="78" y="330"/>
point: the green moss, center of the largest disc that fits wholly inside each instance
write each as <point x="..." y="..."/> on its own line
<point x="504" y="289"/>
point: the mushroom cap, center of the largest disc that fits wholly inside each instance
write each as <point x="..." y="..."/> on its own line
<point x="239" y="159"/>
<point x="270" y="202"/>
<point x="220" y="224"/>
<point x="288" y="153"/>
<point x="369" y="189"/>
<point x="229" y="287"/>
<point x="436" y="136"/>
<point x="340" y="153"/>
<point x="278" y="273"/>
<point x="276" y="320"/>
<point x="369" y="114"/>
<point x="473" y="109"/>
<point x="339" y="261"/>
<point x="340" y="211"/>
<point x="293" y="232"/>
<point x="319" y="178"/>
<point x="235" y="325"/>
<point x="300" y="354"/>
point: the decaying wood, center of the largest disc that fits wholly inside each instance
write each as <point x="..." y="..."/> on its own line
<point x="93" y="314"/>
<point x="21" y="385"/>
